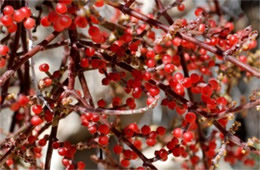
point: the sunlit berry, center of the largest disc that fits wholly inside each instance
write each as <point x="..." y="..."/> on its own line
<point x="26" y="12"/>
<point x="90" y="51"/>
<point x="6" y="20"/>
<point x="188" y="136"/>
<point x="103" y="140"/>
<point x="84" y="62"/>
<point x="190" y="117"/>
<point x="118" y="149"/>
<point x="37" y="109"/>
<point x="44" y="67"/>
<point x="61" y="8"/>
<point x="4" y="50"/>
<point x="36" y="120"/>
<point x="177" y="132"/>
<point x="181" y="7"/>
<point x="45" y="22"/>
<point x="29" y="23"/>
<point x="18" y="16"/>
<point x="8" y="10"/>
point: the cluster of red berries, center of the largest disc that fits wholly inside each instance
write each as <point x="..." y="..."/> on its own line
<point x="154" y="66"/>
<point x="12" y="17"/>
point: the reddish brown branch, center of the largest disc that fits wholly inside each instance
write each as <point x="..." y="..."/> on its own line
<point x="246" y="106"/>
<point x="164" y="12"/>
<point x="10" y="72"/>
<point x="166" y="28"/>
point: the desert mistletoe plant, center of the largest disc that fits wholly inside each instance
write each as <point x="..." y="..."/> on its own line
<point x="180" y="64"/>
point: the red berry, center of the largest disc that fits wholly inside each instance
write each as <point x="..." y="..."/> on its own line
<point x="127" y="154"/>
<point x="18" y="16"/>
<point x="26" y="12"/>
<point x="12" y="28"/>
<point x="92" y="129"/>
<point x="65" y="1"/>
<point x="57" y="26"/>
<point x="103" y="140"/>
<point x="187" y="82"/>
<point x="6" y="20"/>
<point x="201" y="28"/>
<point x="101" y="103"/>
<point x="198" y="11"/>
<point x="93" y="31"/>
<point x="169" y="68"/>
<point x="187" y="136"/>
<point x="65" y="21"/>
<point x="4" y="50"/>
<point x="23" y="100"/>
<point x="44" y="67"/>
<point x="163" y="154"/>
<point x="125" y="163"/>
<point x="118" y="149"/>
<point x="194" y="78"/>
<point x="176" y="41"/>
<point x="84" y="62"/>
<point x="190" y="117"/>
<point x="150" y="63"/>
<point x="233" y="39"/>
<point x="61" y="8"/>
<point x="161" y="130"/>
<point x="45" y="22"/>
<point x="8" y="10"/>
<point x="29" y="23"/>
<point x="2" y="62"/>
<point x="207" y="91"/>
<point x="81" y="165"/>
<point x="181" y="109"/>
<point x="103" y="129"/>
<point x="181" y="7"/>
<point x="145" y="130"/>
<point x="37" y="109"/>
<point x="9" y="162"/>
<point x="178" y="76"/>
<point x="62" y="151"/>
<point x="177" y="132"/>
<point x="252" y="44"/>
<point x="243" y="58"/>
<point x="81" y="21"/>
<point x="36" y="120"/>
<point x="47" y="82"/>
<point x="166" y="59"/>
<point x="150" y="141"/>
<point x="150" y="54"/>
<point x="99" y="3"/>
<point x="90" y="51"/>
<point x="53" y="16"/>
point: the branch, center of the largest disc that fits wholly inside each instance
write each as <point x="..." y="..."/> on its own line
<point x="195" y="41"/>
<point x="163" y="12"/>
<point x="237" y="109"/>
<point x="106" y="111"/>
<point x="10" y="72"/>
